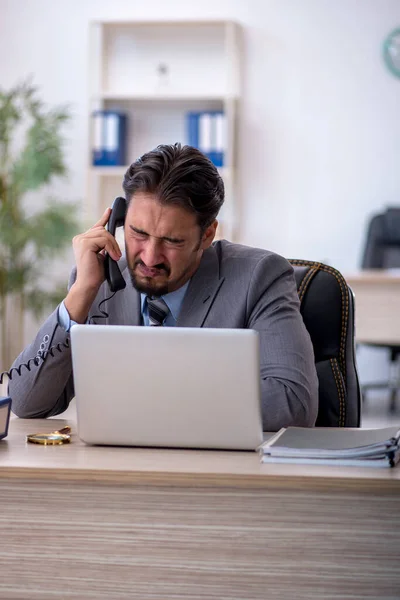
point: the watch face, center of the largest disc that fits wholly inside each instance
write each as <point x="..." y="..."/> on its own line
<point x="391" y="52"/>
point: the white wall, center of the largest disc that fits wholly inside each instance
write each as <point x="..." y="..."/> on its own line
<point x="320" y="127"/>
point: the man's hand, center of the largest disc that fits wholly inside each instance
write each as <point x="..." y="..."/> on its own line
<point x="89" y="251"/>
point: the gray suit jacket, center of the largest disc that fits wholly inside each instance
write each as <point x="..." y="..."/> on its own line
<point x="234" y="287"/>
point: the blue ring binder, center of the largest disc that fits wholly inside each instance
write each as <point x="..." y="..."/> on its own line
<point x="109" y="143"/>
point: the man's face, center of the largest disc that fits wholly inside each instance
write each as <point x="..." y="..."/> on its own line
<point x="163" y="244"/>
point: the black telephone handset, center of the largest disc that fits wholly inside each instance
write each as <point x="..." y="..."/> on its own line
<point x="111" y="268"/>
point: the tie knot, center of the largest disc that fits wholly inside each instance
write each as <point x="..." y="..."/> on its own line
<point x="158" y="311"/>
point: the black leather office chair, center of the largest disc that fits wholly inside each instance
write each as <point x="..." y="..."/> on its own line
<point x="327" y="307"/>
<point x="382" y="251"/>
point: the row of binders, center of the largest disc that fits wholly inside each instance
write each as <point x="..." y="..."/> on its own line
<point x="205" y="130"/>
<point x="109" y="138"/>
<point x="333" y="446"/>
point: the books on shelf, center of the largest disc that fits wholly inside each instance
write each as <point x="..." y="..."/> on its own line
<point x="109" y="138"/>
<point x="206" y="130"/>
<point x="333" y="446"/>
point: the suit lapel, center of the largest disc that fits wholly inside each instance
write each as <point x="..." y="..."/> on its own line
<point x="201" y="292"/>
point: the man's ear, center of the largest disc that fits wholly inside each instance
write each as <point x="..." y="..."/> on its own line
<point x="209" y="235"/>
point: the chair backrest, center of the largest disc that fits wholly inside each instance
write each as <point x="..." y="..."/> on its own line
<point x="382" y="245"/>
<point x="327" y="307"/>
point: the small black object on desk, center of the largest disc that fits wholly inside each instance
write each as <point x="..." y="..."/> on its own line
<point x="5" y="412"/>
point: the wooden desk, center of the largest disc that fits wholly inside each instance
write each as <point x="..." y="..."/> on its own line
<point x="377" y="301"/>
<point x="80" y="522"/>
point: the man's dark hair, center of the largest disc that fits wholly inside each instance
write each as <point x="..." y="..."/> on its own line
<point x="180" y="175"/>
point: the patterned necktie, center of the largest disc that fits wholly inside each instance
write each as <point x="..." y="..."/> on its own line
<point x="157" y="310"/>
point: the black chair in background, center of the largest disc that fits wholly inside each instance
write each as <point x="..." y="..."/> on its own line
<point x="382" y="245"/>
<point x="327" y="307"/>
<point x="382" y="251"/>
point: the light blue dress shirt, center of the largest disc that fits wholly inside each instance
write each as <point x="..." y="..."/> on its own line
<point x="173" y="300"/>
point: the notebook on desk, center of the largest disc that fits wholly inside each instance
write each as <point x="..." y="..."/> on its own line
<point x="167" y="386"/>
<point x="378" y="447"/>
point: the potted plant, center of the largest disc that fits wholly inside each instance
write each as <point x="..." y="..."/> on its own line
<point x="31" y="155"/>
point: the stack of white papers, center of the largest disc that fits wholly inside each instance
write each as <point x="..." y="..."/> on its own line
<point x="334" y="446"/>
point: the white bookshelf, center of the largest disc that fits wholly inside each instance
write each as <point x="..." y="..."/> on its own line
<point x="202" y="60"/>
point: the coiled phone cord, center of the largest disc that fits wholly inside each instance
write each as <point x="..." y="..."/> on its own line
<point x="43" y="354"/>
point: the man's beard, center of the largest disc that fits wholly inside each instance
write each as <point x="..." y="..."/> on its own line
<point x="147" y="285"/>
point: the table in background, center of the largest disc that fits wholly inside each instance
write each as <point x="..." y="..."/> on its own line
<point x="377" y="302"/>
<point x="81" y="522"/>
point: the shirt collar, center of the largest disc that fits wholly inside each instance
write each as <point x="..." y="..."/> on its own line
<point x="173" y="300"/>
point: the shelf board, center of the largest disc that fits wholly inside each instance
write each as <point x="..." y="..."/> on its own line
<point x="162" y="97"/>
<point x="163" y="23"/>
<point x="109" y="171"/>
<point x="121" y="170"/>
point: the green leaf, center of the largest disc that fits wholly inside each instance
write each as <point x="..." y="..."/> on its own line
<point x="42" y="157"/>
<point x="52" y="229"/>
<point x="29" y="242"/>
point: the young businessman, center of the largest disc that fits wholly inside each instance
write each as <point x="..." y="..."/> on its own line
<point x="176" y="275"/>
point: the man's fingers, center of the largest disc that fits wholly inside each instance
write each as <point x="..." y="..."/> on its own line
<point x="109" y="245"/>
<point x="104" y="219"/>
<point x="113" y="250"/>
<point x="96" y="240"/>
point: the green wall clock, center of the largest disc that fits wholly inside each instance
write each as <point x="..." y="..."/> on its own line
<point x="391" y="52"/>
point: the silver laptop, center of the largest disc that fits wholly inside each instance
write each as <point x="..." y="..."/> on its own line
<point x="167" y="387"/>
